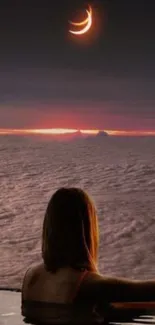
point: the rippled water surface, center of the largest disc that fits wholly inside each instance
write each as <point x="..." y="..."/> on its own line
<point x="119" y="173"/>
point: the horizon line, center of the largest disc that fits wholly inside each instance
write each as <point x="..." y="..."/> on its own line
<point x="68" y="131"/>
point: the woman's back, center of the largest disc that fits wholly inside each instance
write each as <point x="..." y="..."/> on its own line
<point x="58" y="287"/>
<point x="58" y="297"/>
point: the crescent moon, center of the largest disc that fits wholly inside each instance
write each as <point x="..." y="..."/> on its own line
<point x="87" y="22"/>
<point x="84" y="22"/>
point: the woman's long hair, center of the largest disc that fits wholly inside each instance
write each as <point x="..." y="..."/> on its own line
<point x="70" y="231"/>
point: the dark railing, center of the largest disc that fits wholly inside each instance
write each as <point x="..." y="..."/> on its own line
<point x="133" y="313"/>
<point x="129" y="313"/>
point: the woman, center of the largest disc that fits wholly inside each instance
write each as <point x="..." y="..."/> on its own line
<point x="67" y="286"/>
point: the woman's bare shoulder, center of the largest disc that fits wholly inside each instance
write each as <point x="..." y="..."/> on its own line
<point x="31" y="276"/>
<point x="95" y="279"/>
<point x="91" y="286"/>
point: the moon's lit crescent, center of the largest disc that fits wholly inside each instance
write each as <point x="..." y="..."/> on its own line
<point x="84" y="22"/>
<point x="87" y="22"/>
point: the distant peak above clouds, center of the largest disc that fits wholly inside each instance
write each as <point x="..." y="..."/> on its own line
<point x="102" y="134"/>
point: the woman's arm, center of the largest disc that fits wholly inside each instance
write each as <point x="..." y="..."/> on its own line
<point x="114" y="290"/>
<point x="124" y="290"/>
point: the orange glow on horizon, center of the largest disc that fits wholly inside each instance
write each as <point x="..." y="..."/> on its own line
<point x="130" y="133"/>
<point x="39" y="131"/>
<point x="90" y="132"/>
<point x="59" y="131"/>
<point x="53" y="131"/>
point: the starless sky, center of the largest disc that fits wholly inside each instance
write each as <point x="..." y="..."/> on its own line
<point x="50" y="79"/>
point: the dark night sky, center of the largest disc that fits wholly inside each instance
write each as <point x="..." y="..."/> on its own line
<point x="103" y="80"/>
